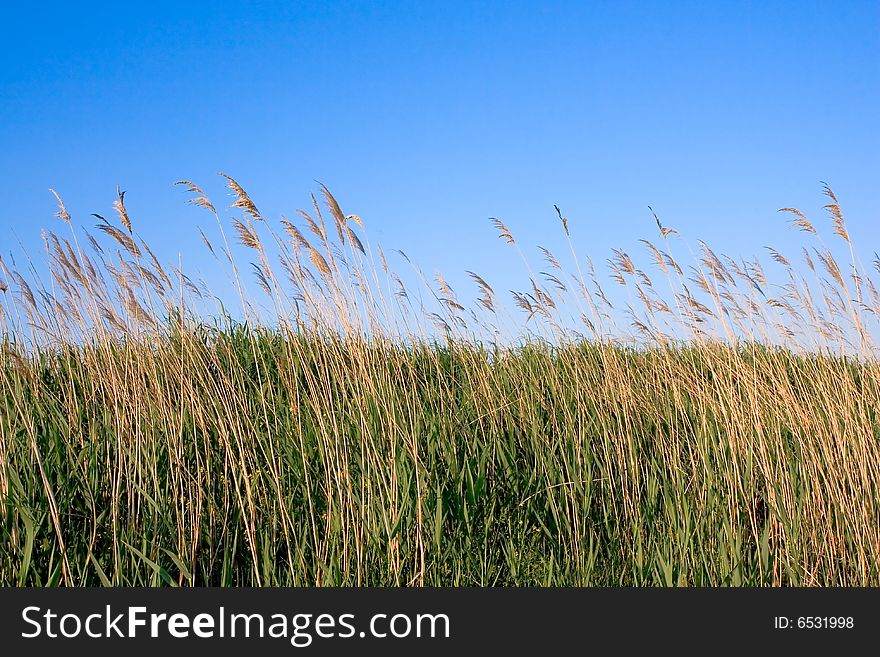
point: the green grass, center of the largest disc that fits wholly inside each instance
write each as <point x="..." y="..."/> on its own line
<point x="290" y="460"/>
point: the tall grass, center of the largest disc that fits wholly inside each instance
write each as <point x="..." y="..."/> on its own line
<point x="715" y="427"/>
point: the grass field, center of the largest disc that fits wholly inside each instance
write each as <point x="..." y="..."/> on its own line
<point x="720" y="429"/>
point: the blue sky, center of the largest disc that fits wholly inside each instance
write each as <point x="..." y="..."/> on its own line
<point x="426" y="119"/>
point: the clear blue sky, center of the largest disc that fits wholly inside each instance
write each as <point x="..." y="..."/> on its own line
<point x="428" y="118"/>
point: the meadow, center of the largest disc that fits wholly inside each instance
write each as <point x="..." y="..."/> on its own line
<point x="353" y="426"/>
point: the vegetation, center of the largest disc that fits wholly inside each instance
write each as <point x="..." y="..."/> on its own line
<point x="346" y="433"/>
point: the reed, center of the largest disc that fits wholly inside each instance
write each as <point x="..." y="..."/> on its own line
<point x="703" y="423"/>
